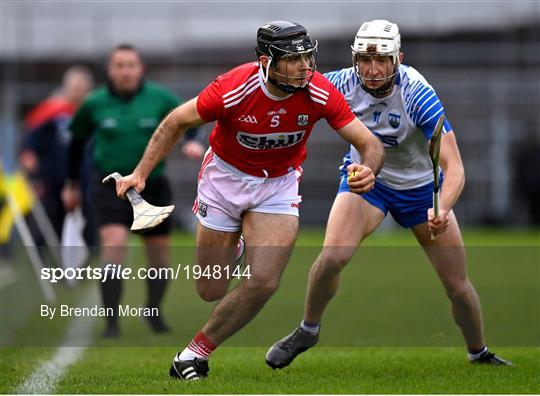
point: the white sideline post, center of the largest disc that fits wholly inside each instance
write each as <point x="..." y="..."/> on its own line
<point x="47" y="230"/>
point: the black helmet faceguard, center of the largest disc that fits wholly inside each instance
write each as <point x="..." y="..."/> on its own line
<point x="282" y="39"/>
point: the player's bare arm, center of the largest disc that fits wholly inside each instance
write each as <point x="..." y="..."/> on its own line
<point x="454" y="181"/>
<point x="372" y="152"/>
<point x="167" y="134"/>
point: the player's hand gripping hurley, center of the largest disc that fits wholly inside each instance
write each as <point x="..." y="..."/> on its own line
<point x="434" y="151"/>
<point x="145" y="216"/>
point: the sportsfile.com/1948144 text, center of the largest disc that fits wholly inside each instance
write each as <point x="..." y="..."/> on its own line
<point x="117" y="271"/>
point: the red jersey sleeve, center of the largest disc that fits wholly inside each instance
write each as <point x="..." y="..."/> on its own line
<point x="337" y="111"/>
<point x="210" y="102"/>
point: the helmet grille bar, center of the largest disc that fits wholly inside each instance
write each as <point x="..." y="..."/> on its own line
<point x="273" y="28"/>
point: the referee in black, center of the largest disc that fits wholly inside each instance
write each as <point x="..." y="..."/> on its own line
<point x="120" y="118"/>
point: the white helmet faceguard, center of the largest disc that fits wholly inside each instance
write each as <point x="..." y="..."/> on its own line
<point x="377" y="38"/>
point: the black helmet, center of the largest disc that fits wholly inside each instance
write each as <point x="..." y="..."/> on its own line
<point x="277" y="39"/>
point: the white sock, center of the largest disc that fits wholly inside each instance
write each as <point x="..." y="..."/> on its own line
<point x="196" y="350"/>
<point x="188" y="354"/>
<point x="310" y="328"/>
<point x="474" y="356"/>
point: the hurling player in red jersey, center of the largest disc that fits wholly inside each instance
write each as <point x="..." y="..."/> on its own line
<point x="248" y="183"/>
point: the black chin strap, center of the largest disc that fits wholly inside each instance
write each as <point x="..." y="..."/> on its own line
<point x="285" y="87"/>
<point x="383" y="90"/>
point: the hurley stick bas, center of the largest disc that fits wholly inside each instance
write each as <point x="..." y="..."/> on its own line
<point x="434" y="154"/>
<point x="145" y="215"/>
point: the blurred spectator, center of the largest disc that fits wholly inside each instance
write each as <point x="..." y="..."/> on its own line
<point x="121" y="118"/>
<point x="45" y="145"/>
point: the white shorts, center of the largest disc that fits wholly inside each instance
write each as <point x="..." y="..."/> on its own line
<point x="224" y="193"/>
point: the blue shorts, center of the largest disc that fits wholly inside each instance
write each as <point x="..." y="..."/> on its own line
<point x="407" y="207"/>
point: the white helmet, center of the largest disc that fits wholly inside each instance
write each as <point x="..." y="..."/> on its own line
<point x="377" y="38"/>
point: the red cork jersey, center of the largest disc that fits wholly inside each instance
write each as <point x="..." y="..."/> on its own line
<point x="262" y="134"/>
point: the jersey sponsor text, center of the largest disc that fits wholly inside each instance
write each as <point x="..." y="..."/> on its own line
<point x="269" y="141"/>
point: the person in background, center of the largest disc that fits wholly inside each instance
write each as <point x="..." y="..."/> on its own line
<point x="120" y="118"/>
<point x="43" y="154"/>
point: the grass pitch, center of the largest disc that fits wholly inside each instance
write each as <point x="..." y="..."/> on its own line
<point x="329" y="370"/>
<point x="321" y="370"/>
<point x="387" y="331"/>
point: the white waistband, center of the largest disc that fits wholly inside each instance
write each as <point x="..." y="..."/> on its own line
<point x="242" y="175"/>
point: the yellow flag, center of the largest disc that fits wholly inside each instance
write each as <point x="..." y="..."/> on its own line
<point x="13" y="187"/>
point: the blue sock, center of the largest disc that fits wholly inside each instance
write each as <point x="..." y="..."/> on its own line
<point x="475" y="354"/>
<point x="312" y="328"/>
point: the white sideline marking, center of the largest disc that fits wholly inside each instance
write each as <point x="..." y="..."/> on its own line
<point x="45" y="378"/>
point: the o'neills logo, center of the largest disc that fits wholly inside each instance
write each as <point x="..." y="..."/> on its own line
<point x="270" y="140"/>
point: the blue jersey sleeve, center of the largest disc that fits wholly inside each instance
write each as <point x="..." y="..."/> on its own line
<point x="344" y="80"/>
<point x="424" y="108"/>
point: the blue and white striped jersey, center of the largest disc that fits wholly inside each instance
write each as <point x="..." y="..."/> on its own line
<point x="404" y="121"/>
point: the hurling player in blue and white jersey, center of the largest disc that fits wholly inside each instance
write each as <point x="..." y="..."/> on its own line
<point x="401" y="108"/>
